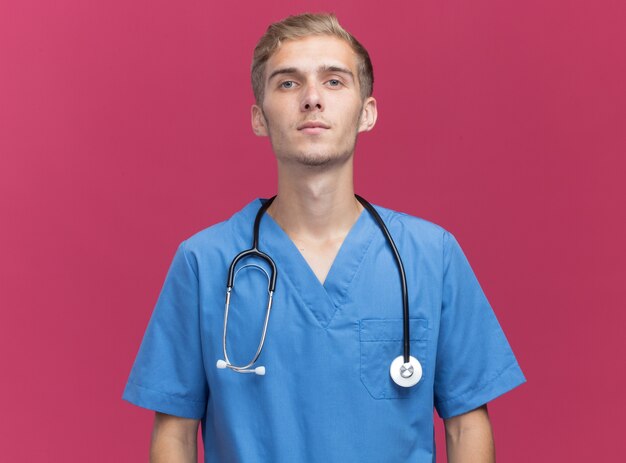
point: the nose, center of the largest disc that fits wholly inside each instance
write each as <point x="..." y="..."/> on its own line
<point x="311" y="99"/>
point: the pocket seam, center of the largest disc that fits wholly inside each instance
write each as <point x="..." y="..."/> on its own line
<point x="374" y="337"/>
<point x="423" y="329"/>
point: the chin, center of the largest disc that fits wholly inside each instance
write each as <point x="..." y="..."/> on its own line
<point x="314" y="154"/>
<point x="316" y="159"/>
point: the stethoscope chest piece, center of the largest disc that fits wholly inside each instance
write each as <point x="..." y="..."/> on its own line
<point x="405" y="375"/>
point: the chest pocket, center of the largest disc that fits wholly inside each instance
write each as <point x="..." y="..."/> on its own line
<point x="381" y="342"/>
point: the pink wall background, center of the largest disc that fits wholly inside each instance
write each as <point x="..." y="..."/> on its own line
<point x="124" y="128"/>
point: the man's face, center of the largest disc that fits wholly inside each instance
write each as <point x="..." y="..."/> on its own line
<point x="312" y="108"/>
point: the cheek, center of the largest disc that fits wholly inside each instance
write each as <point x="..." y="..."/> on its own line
<point x="277" y="116"/>
<point x="351" y="118"/>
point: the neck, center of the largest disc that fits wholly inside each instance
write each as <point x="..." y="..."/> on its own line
<point x="315" y="204"/>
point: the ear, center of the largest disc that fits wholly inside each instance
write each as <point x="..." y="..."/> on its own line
<point x="259" y="126"/>
<point x="369" y="114"/>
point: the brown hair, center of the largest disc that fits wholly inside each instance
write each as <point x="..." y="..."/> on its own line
<point x="300" y="26"/>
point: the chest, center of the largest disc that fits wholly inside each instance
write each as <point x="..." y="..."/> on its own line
<point x="319" y="255"/>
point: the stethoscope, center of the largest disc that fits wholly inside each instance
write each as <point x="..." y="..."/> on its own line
<point x="405" y="370"/>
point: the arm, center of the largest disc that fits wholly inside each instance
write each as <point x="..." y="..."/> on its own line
<point x="469" y="438"/>
<point x="174" y="439"/>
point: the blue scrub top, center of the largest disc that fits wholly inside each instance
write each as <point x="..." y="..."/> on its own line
<point x="327" y="394"/>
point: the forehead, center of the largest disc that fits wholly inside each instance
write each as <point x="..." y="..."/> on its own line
<point x="309" y="53"/>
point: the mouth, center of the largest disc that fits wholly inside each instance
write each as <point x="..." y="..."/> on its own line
<point x="313" y="127"/>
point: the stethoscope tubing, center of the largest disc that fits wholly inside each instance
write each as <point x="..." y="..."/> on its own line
<point x="254" y="251"/>
<point x="405" y="293"/>
<point x="271" y="278"/>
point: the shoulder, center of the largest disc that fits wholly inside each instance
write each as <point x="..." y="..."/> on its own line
<point x="413" y="228"/>
<point x="221" y="237"/>
<point x="211" y="236"/>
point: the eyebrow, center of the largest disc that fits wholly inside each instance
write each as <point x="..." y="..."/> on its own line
<point x="338" y="69"/>
<point x="321" y="69"/>
<point x="282" y="71"/>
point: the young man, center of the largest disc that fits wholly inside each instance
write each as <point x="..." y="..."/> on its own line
<point x="336" y="323"/>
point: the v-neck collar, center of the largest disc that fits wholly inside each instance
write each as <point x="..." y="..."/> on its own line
<point x="295" y="274"/>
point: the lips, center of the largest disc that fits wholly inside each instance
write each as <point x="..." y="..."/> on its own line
<point x="313" y="125"/>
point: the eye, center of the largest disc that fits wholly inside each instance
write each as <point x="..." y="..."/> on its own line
<point x="287" y="84"/>
<point x="334" y="82"/>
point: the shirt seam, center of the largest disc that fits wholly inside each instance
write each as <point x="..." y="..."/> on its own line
<point x="184" y="247"/>
<point x="482" y="387"/>
<point x="445" y="241"/>
<point x="165" y="393"/>
<point x="341" y="302"/>
<point x="198" y="308"/>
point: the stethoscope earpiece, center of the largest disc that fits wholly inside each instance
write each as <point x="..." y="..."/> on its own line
<point x="260" y="371"/>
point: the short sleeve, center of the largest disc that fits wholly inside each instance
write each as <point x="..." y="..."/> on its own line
<point x="475" y="363"/>
<point x="168" y="374"/>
